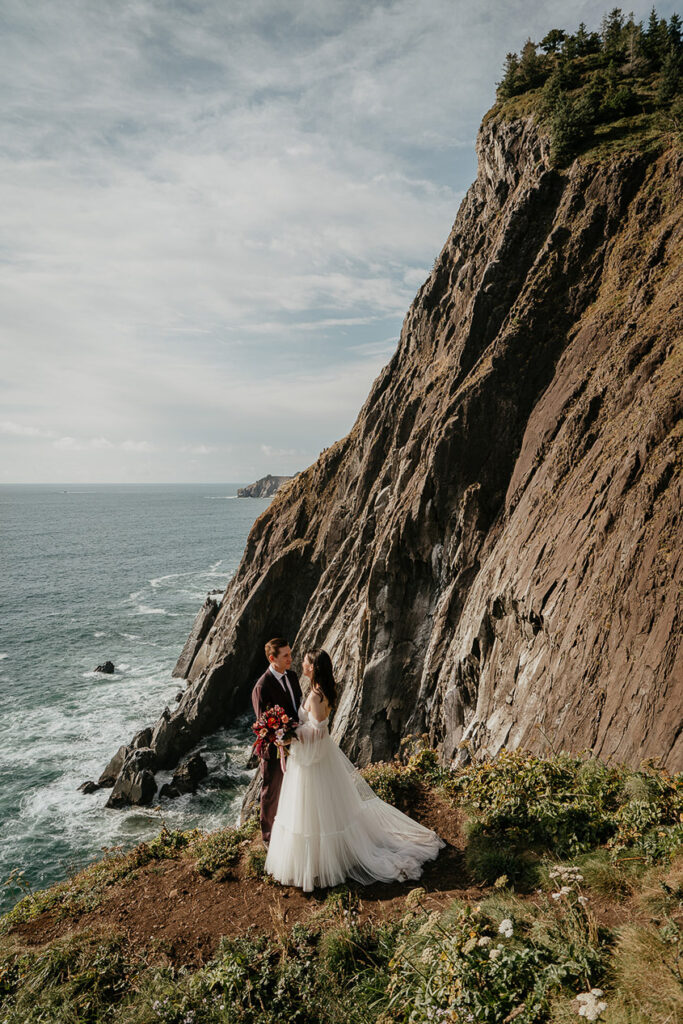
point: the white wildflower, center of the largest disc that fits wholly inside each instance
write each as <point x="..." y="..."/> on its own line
<point x="555" y="895"/>
<point x="428" y="956"/>
<point x="495" y="953"/>
<point x="414" y="897"/>
<point x="583" y="900"/>
<point x="506" y="928"/>
<point x="590" y="1004"/>
<point x="485" y="940"/>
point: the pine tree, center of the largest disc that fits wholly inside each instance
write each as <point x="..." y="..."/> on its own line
<point x="586" y="42"/>
<point x="633" y="36"/>
<point x="676" y="34"/>
<point x="656" y="40"/>
<point x="508" y="86"/>
<point x="530" y="66"/>
<point x="552" y="42"/>
<point x="568" y="129"/>
<point x="670" y="79"/>
<point x="611" y="30"/>
<point x="589" y="102"/>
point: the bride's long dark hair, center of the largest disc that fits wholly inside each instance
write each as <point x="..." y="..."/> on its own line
<point x="323" y="676"/>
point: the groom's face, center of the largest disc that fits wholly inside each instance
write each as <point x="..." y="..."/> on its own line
<point x="282" y="661"/>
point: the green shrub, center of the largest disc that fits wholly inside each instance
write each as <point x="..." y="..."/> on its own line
<point x="216" y="852"/>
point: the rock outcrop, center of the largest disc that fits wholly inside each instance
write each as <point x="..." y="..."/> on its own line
<point x="492" y="555"/>
<point x="200" y="627"/>
<point x="135" y="783"/>
<point x="266" y="487"/>
<point x="186" y="777"/>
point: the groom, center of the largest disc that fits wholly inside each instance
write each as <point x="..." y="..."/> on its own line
<point x="278" y="685"/>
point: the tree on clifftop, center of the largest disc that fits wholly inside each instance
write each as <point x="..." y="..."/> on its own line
<point x="552" y="42"/>
<point x="507" y="86"/>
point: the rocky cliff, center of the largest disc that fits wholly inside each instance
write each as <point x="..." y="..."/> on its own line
<point x="266" y="487"/>
<point x="493" y="553"/>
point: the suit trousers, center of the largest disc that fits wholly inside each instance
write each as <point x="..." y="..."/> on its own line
<point x="271" y="783"/>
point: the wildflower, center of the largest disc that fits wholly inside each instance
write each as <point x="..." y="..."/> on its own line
<point x="506" y="928"/>
<point x="583" y="900"/>
<point x="485" y="940"/>
<point x="414" y="897"/>
<point x="590" y="1005"/>
<point x="428" y="955"/>
<point x="495" y="953"/>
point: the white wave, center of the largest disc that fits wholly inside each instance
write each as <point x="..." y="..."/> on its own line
<point x="99" y="634"/>
<point x="220" y="497"/>
<point x="143" y="609"/>
<point x="212" y="568"/>
<point x="3" y="656"/>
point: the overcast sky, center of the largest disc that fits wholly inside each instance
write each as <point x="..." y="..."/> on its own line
<point x="215" y="215"/>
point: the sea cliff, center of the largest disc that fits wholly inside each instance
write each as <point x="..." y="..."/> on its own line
<point x="491" y="554"/>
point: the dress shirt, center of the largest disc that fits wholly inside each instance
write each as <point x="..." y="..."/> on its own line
<point x="284" y="683"/>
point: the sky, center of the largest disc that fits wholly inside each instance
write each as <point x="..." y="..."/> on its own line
<point x="215" y="215"/>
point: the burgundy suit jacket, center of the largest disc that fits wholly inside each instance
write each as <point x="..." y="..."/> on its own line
<point x="269" y="692"/>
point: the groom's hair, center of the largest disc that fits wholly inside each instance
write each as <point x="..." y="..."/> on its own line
<point x="273" y="646"/>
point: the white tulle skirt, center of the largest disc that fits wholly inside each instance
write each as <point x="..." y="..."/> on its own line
<point x="330" y="825"/>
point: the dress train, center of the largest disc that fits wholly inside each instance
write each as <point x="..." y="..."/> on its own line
<point x="330" y="825"/>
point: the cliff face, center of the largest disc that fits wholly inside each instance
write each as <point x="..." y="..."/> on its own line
<point x="492" y="553"/>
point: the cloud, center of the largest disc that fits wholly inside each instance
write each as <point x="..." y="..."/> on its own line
<point x="198" y="449"/>
<point x="11" y="429"/>
<point x="215" y="214"/>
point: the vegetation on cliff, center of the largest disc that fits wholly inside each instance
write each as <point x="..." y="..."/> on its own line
<point x="599" y="90"/>
<point x="561" y="891"/>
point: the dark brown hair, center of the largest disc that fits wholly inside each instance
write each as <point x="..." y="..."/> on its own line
<point x="275" y="645"/>
<point x="323" y="676"/>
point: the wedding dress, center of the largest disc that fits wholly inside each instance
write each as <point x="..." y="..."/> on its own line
<point x="330" y="825"/>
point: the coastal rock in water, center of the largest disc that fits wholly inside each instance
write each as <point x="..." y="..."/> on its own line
<point x="200" y="627"/>
<point x="135" y="783"/>
<point x="111" y="772"/>
<point x="186" y="777"/>
<point x="106" y="667"/>
<point x="266" y="487"/>
<point x="88" y="787"/>
<point x="493" y="554"/>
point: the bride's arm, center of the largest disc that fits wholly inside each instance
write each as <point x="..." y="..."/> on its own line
<point x="312" y="734"/>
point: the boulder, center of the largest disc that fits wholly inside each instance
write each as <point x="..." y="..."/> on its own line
<point x="107" y="667"/>
<point x="88" y="787"/>
<point x="135" y="783"/>
<point x="186" y="777"/>
<point x="113" y="769"/>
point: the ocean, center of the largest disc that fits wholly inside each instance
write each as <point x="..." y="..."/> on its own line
<point x="90" y="573"/>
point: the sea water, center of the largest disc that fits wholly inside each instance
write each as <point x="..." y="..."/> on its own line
<point x="89" y="574"/>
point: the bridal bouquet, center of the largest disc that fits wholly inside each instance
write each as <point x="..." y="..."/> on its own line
<point x="274" y="726"/>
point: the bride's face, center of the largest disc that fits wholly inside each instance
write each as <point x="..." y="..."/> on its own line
<point x="308" y="669"/>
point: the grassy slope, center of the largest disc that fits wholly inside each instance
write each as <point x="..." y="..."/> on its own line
<point x="113" y="942"/>
<point x="650" y="127"/>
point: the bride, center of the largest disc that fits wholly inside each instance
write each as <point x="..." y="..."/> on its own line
<point x="330" y="825"/>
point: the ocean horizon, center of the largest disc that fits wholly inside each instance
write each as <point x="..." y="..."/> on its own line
<point x="96" y="572"/>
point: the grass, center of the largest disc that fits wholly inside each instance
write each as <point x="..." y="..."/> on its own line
<point x="563" y="911"/>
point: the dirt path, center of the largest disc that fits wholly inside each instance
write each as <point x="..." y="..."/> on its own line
<point x="168" y="907"/>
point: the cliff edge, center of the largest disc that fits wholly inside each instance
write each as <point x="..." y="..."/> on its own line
<point x="492" y="555"/>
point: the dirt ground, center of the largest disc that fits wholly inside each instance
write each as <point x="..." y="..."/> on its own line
<point x="167" y="907"/>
